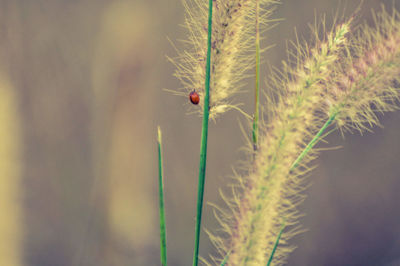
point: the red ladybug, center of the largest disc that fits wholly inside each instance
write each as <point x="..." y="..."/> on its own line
<point x="194" y="97"/>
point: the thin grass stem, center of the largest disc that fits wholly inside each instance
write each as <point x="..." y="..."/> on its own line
<point x="314" y="141"/>
<point x="310" y="145"/>
<point x="204" y="135"/>
<point x="276" y="244"/>
<point x="223" y="263"/>
<point x="163" y="235"/>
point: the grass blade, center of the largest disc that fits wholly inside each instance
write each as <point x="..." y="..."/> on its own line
<point x="163" y="235"/>
<point x="225" y="259"/>
<point x="314" y="141"/>
<point x="204" y="136"/>
<point x="276" y="244"/>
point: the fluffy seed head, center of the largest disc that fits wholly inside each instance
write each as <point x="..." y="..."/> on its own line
<point x="272" y="190"/>
<point x="367" y="80"/>
<point x="346" y="78"/>
<point x="231" y="49"/>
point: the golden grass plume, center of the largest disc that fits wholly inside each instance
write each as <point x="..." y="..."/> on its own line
<point x="233" y="39"/>
<point x="347" y="77"/>
<point x="272" y="190"/>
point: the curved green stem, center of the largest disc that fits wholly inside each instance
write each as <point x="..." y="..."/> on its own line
<point x="204" y="135"/>
<point x="223" y="263"/>
<point x="314" y="141"/>
<point x="309" y="146"/>
<point x="163" y="237"/>
<point x="276" y="244"/>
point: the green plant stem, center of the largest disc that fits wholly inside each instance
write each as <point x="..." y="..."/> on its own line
<point x="223" y="263"/>
<point x="309" y="146"/>
<point x="276" y="244"/>
<point x="163" y="236"/>
<point x="314" y="141"/>
<point x="204" y="135"/>
<point x="257" y="87"/>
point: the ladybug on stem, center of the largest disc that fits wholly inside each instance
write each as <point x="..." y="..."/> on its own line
<point x="194" y="97"/>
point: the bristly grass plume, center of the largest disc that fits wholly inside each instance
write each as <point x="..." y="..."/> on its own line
<point x="343" y="79"/>
<point x="367" y="80"/>
<point x="271" y="192"/>
<point x="233" y="36"/>
<point x="346" y="78"/>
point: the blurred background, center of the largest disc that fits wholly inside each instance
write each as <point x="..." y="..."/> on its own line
<point x="80" y="100"/>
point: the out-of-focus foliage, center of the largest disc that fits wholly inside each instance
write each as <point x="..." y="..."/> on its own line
<point x="121" y="89"/>
<point x="10" y="187"/>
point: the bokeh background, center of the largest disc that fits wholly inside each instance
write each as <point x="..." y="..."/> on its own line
<point x="81" y="95"/>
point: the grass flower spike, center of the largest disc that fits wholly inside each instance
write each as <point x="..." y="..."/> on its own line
<point x="341" y="81"/>
<point x="345" y="79"/>
<point x="232" y="39"/>
<point x="271" y="191"/>
<point x="368" y="80"/>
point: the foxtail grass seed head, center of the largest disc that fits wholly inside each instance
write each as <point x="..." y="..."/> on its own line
<point x="231" y="46"/>
<point x="346" y="78"/>
<point x="271" y="190"/>
<point x="368" y="79"/>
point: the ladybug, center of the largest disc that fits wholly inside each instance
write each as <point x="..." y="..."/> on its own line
<point x="194" y="97"/>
